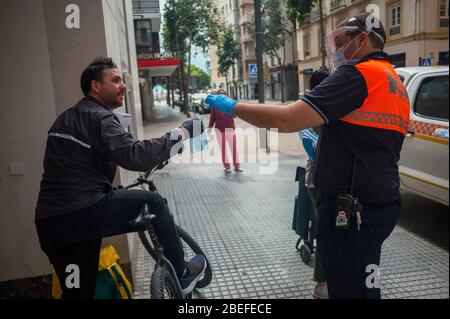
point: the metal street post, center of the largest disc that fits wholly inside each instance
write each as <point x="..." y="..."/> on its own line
<point x="259" y="62"/>
<point x="322" y="34"/>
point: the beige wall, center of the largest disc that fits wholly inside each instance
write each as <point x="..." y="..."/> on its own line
<point x="216" y="79"/>
<point x="26" y="113"/>
<point x="40" y="78"/>
<point x="72" y="49"/>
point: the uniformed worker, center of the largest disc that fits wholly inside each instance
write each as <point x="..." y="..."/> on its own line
<point x="364" y="110"/>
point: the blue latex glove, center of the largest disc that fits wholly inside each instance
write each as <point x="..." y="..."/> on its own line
<point x="222" y="103"/>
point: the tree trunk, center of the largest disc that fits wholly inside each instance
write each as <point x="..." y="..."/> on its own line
<point x="187" y="80"/>
<point x="168" y="89"/>
<point x="322" y="35"/>
<point x="185" y="95"/>
<point x="295" y="54"/>
<point x="180" y="55"/>
<point x="184" y="91"/>
<point x="180" y="86"/>
<point x="172" y="91"/>
<point x="281" y="77"/>
<point x="233" y="72"/>
<point x="226" y="82"/>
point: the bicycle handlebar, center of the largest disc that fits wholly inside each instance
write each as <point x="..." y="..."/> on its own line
<point x="150" y="172"/>
<point x="143" y="179"/>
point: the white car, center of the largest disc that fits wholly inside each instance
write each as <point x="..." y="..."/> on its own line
<point x="424" y="161"/>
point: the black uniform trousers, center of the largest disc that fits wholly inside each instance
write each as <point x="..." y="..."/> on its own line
<point x="351" y="257"/>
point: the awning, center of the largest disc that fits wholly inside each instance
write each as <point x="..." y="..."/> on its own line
<point x="159" y="67"/>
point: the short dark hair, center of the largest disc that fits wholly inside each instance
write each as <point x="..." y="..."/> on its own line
<point x="377" y="35"/>
<point x="318" y="76"/>
<point x="94" y="72"/>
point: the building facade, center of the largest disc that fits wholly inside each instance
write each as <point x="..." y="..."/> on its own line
<point x="229" y="12"/>
<point x="286" y="71"/>
<point x="417" y="32"/>
<point x="153" y="65"/>
<point x="46" y="54"/>
<point x="236" y="14"/>
<point x="242" y="79"/>
<point x="248" y="86"/>
<point x="218" y="81"/>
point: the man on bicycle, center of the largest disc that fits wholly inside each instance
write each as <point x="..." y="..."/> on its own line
<point x="77" y="204"/>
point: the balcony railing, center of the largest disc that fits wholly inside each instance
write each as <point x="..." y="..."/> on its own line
<point x="248" y="56"/>
<point x="246" y="18"/>
<point x="245" y="2"/>
<point x="246" y="38"/>
<point x="394" y="30"/>
<point x="315" y="15"/>
<point x="305" y="20"/>
<point x="337" y="4"/>
<point x="146" y="6"/>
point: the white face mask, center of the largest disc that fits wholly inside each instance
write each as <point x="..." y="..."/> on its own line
<point x="339" y="58"/>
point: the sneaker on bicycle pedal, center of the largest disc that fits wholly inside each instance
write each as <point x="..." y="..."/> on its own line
<point x="194" y="271"/>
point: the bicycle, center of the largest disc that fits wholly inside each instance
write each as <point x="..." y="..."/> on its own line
<point x="164" y="281"/>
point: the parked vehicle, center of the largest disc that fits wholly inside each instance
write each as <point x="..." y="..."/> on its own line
<point x="197" y="103"/>
<point x="424" y="162"/>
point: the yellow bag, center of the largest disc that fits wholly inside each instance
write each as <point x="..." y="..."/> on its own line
<point x="111" y="280"/>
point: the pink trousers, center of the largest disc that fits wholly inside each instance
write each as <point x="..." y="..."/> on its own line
<point x="228" y="138"/>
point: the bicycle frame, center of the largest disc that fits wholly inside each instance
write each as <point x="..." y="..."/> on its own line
<point x="157" y="247"/>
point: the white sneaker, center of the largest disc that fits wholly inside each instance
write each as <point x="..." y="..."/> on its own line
<point x="320" y="291"/>
<point x="239" y="169"/>
<point x="227" y="170"/>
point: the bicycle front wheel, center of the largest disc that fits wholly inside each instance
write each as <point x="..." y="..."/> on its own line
<point x="147" y="244"/>
<point x="163" y="284"/>
<point x="191" y="248"/>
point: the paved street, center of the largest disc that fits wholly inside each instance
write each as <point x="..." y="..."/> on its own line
<point x="243" y="223"/>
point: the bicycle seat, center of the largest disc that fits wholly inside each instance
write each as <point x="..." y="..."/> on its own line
<point x="144" y="217"/>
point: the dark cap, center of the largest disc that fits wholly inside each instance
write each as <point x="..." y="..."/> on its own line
<point x="366" y="22"/>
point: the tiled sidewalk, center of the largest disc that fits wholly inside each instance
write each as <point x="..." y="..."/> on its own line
<point x="243" y="223"/>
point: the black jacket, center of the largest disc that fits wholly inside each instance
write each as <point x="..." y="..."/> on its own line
<point x="84" y="146"/>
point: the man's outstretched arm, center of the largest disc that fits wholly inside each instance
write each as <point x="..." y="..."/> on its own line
<point x="136" y="155"/>
<point x="289" y="118"/>
<point x="286" y="119"/>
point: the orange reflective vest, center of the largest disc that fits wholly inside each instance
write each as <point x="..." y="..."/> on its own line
<point x="387" y="104"/>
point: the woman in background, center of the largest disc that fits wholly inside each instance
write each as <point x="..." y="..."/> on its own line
<point x="310" y="139"/>
<point x="225" y="124"/>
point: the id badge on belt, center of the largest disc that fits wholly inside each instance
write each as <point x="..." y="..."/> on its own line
<point x="343" y="211"/>
<point x="347" y="208"/>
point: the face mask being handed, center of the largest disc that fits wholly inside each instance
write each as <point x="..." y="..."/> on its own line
<point x="339" y="58"/>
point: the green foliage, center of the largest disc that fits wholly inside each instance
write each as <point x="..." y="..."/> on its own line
<point x="203" y="78"/>
<point x="297" y="9"/>
<point x="228" y="50"/>
<point x="188" y="24"/>
<point x="272" y="24"/>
